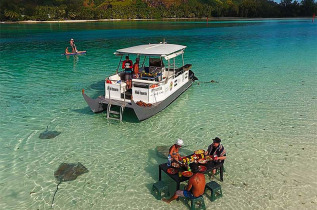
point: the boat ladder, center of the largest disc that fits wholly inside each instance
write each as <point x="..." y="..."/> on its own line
<point x="115" y="115"/>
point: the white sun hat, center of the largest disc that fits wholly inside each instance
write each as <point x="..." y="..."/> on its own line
<point x="179" y="142"/>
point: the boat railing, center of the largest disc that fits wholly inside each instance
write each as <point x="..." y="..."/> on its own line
<point x="113" y="90"/>
<point x="114" y="85"/>
<point x="180" y="70"/>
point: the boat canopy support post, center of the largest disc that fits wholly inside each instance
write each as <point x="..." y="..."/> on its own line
<point x="183" y="58"/>
<point x="174" y="67"/>
<point x="119" y="64"/>
<point x="143" y="61"/>
<point x="168" y="71"/>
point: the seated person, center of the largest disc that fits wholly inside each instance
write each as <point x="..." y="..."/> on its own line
<point x="195" y="187"/>
<point x="174" y="150"/>
<point x="127" y="66"/>
<point x="217" y="151"/>
<point x="136" y="68"/>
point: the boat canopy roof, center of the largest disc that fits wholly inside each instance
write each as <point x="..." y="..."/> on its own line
<point x="167" y="51"/>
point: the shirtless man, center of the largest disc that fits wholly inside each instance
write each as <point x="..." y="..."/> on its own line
<point x="174" y="150"/>
<point x="195" y="187"/>
<point x="136" y="68"/>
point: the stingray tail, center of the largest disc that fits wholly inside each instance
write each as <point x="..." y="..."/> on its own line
<point x="55" y="193"/>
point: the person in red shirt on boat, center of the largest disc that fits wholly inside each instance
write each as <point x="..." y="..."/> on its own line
<point x="174" y="150"/>
<point x="127" y="65"/>
<point x="195" y="187"/>
<point x="136" y="68"/>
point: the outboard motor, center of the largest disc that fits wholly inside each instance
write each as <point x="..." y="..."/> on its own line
<point x="192" y="75"/>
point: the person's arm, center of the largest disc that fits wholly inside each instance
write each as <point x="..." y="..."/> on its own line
<point x="123" y="64"/>
<point x="208" y="150"/>
<point x="220" y="158"/>
<point x="221" y="154"/>
<point x="190" y="184"/>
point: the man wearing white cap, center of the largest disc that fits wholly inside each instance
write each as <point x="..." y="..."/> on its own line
<point x="174" y="150"/>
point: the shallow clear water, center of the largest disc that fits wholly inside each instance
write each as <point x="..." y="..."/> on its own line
<point x="264" y="107"/>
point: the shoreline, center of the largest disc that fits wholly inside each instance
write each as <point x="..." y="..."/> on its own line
<point x="163" y="19"/>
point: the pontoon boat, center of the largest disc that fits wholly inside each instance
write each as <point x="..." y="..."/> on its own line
<point x="163" y="77"/>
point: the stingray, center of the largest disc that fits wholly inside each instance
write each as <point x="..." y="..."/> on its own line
<point x="49" y="134"/>
<point x="68" y="172"/>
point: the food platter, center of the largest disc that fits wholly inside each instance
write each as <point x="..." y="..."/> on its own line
<point x="202" y="168"/>
<point x="175" y="165"/>
<point x="202" y="161"/>
<point x="187" y="173"/>
<point x="172" y="170"/>
<point x="195" y="156"/>
<point x="208" y="157"/>
<point x="200" y="151"/>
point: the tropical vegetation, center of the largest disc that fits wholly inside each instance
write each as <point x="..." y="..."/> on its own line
<point x="13" y="10"/>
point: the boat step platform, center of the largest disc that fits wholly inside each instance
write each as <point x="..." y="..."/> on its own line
<point x="114" y="112"/>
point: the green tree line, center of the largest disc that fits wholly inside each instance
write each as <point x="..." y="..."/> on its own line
<point x="14" y="10"/>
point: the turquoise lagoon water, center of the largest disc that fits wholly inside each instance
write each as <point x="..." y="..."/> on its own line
<point x="264" y="107"/>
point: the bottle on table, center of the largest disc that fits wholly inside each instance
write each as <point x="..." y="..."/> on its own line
<point x="169" y="160"/>
<point x="188" y="168"/>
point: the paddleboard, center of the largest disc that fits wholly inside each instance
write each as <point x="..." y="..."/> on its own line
<point x="77" y="53"/>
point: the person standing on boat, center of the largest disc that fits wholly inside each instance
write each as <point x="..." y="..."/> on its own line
<point x="217" y="152"/>
<point x="174" y="150"/>
<point x="72" y="44"/>
<point x="136" y="68"/>
<point x="195" y="187"/>
<point x="127" y="65"/>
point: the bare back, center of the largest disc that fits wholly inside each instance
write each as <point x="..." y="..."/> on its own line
<point x="197" y="184"/>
